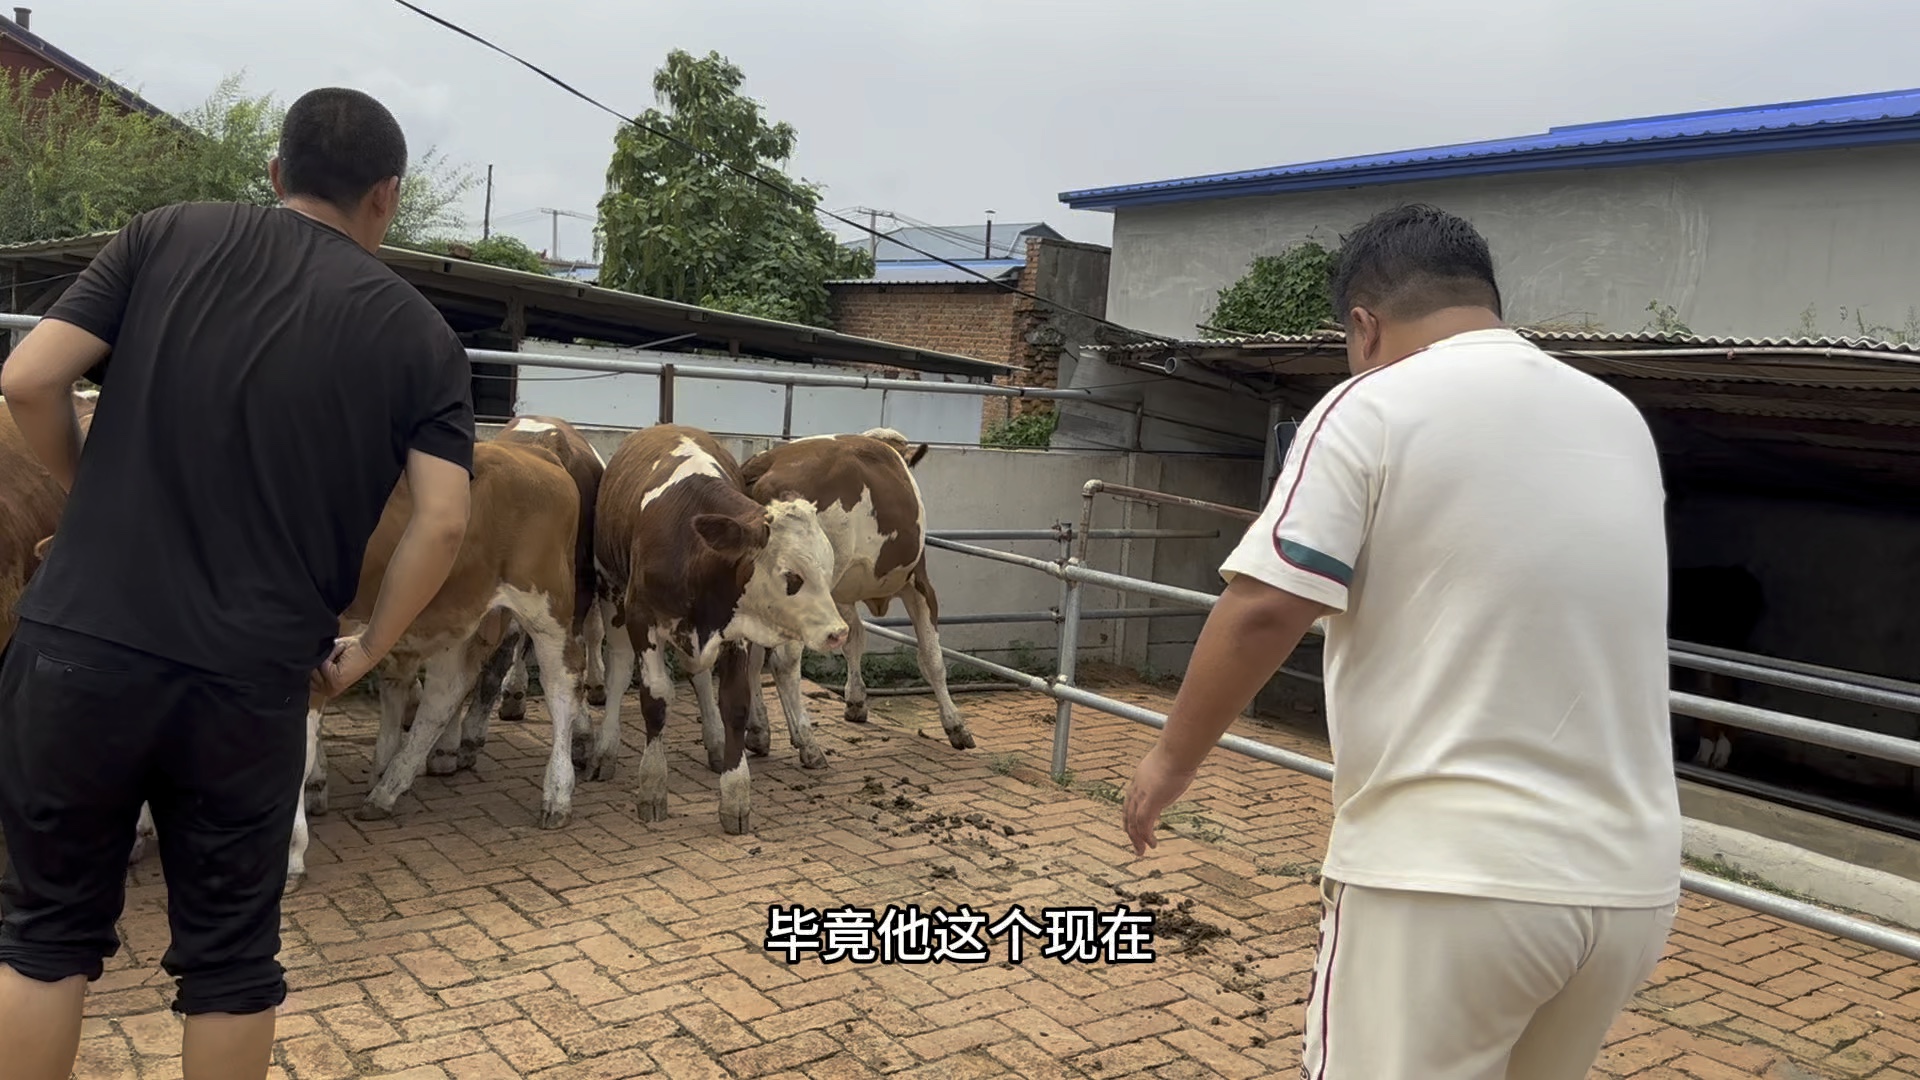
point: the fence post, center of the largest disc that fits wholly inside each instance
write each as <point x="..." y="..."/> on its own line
<point x="666" y="393"/>
<point x="1069" y="652"/>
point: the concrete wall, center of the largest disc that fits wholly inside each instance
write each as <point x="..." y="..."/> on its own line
<point x="975" y="488"/>
<point x="1741" y="246"/>
<point x="1839" y="583"/>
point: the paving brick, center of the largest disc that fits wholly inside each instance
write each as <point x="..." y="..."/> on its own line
<point x="460" y="942"/>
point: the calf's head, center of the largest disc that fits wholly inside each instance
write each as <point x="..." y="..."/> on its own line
<point x="786" y="567"/>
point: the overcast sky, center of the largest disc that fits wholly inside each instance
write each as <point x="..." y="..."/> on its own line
<point x="942" y="111"/>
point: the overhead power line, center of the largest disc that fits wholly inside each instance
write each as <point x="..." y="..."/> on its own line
<point x="779" y="188"/>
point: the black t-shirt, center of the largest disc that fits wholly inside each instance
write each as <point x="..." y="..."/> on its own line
<point x="267" y="378"/>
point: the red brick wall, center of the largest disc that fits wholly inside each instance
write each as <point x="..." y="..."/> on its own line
<point x="966" y="320"/>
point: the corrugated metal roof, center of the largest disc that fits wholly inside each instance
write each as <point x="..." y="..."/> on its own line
<point x="477" y="296"/>
<point x="928" y="272"/>
<point x="957" y="242"/>
<point x="1570" y="339"/>
<point x="1858" y="120"/>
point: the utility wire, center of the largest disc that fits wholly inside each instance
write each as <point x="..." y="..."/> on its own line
<point x="780" y="189"/>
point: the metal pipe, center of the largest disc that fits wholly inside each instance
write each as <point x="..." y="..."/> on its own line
<point x="1053" y="616"/>
<point x="1833" y="688"/>
<point x="1820" y="804"/>
<point x="1055" y="534"/>
<point x="1069" y="649"/>
<point x="1121" y="491"/>
<point x="1794" y="911"/>
<point x="1799" y="667"/>
<point x="1799" y="728"/>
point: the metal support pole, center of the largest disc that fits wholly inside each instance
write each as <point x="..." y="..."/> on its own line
<point x="1270" y="468"/>
<point x="1069" y="653"/>
<point x="666" y="393"/>
<point x="786" y="419"/>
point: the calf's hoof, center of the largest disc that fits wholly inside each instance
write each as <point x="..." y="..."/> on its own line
<point x="603" y="766"/>
<point x="759" y="740"/>
<point x="735" y="822"/>
<point x="596" y="696"/>
<point x="555" y="817"/>
<point x="443" y="763"/>
<point x="373" y="811"/>
<point x="812" y="757"/>
<point x="717" y="762"/>
<point x="317" y="799"/>
<point x="582" y="751"/>
<point x="856" y="712"/>
<point x="513" y="707"/>
<point x="469" y="755"/>
<point x="294" y="881"/>
<point x="651" y="808"/>
<point x="960" y="737"/>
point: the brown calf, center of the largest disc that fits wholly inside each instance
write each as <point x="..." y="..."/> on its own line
<point x="30" y="508"/>
<point x="686" y="559"/>
<point x="586" y="467"/>
<point x="870" y="507"/>
<point x="516" y="561"/>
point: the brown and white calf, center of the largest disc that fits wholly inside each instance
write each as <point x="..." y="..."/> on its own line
<point x="516" y="563"/>
<point x="586" y="466"/>
<point x="1718" y="606"/>
<point x="687" y="560"/>
<point x="870" y="506"/>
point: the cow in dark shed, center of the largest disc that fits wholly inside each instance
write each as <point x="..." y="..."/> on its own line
<point x="1716" y="606"/>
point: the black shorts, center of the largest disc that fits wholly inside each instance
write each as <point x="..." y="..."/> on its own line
<point x="88" y="731"/>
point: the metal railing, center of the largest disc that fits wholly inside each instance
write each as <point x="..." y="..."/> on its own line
<point x="1074" y="575"/>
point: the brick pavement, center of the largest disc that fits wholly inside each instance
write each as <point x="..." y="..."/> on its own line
<point x="459" y="941"/>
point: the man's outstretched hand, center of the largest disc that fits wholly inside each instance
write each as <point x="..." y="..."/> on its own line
<point x="347" y="664"/>
<point x="1156" y="785"/>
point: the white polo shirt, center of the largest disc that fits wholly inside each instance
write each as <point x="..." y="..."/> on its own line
<point x="1488" y="525"/>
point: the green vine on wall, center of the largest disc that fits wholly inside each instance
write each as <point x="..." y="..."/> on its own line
<point x="1286" y="293"/>
<point x="1029" y="430"/>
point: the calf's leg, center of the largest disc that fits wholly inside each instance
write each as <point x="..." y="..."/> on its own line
<point x="450" y="675"/>
<point x="759" y="730"/>
<point x="650" y="789"/>
<point x="475" y="727"/>
<point x="855" y="648"/>
<point x="596" y="634"/>
<point x="736" y="789"/>
<point x="513" y="696"/>
<point x="620" y="663"/>
<point x="921" y="605"/>
<point x="711" y="731"/>
<point x="786" y="680"/>
<point x="297" y="851"/>
<point x="396" y="688"/>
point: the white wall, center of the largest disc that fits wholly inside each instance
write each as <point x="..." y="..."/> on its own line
<point x="1740" y="246"/>
<point x="740" y="408"/>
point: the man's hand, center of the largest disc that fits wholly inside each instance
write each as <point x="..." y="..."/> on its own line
<point x="1157" y="784"/>
<point x="348" y="664"/>
<point x="1248" y="635"/>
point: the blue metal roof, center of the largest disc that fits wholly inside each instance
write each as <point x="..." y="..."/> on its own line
<point x="929" y="272"/>
<point x="1826" y="123"/>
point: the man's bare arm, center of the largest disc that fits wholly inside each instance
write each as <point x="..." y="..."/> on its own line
<point x="37" y="383"/>
<point x="441" y="501"/>
<point x="1252" y="630"/>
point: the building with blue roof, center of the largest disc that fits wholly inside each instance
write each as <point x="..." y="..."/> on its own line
<point x="1760" y="220"/>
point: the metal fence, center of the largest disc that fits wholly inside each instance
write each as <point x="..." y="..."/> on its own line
<point x="1074" y="576"/>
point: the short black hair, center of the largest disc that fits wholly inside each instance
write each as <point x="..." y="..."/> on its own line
<point x="1412" y="261"/>
<point x="336" y="144"/>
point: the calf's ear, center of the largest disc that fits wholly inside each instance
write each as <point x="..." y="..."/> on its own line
<point x="728" y="536"/>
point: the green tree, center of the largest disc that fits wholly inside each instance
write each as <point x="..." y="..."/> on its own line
<point x="679" y="225"/>
<point x="508" y="251"/>
<point x="71" y="164"/>
<point x="1280" y="294"/>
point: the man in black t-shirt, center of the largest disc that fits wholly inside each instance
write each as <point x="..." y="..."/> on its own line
<point x="265" y="382"/>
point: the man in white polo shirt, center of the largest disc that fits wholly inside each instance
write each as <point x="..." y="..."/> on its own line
<point x="1482" y="528"/>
